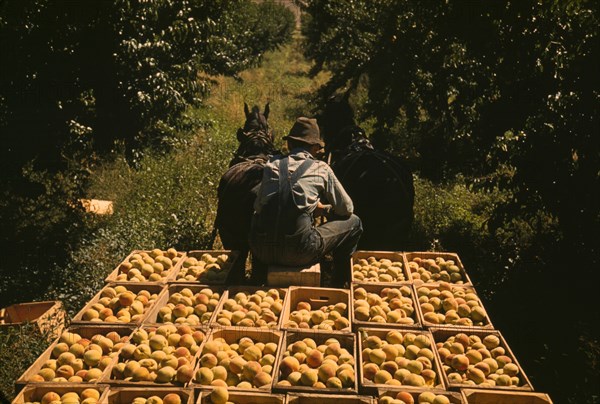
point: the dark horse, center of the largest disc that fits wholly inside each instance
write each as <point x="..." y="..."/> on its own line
<point x="237" y="188"/>
<point x="380" y="184"/>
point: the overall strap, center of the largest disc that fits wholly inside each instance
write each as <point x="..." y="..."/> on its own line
<point x="285" y="186"/>
<point x="286" y="181"/>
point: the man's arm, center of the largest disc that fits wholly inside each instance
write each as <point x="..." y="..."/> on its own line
<point x="337" y="196"/>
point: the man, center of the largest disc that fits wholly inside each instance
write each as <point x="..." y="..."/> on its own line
<point x="292" y="193"/>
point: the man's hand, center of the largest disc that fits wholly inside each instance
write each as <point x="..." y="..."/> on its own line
<point x="322" y="210"/>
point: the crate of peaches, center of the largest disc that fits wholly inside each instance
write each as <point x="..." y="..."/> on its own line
<point x="480" y="396"/>
<point x="62" y="393"/>
<point x="317" y="363"/>
<point x="433" y="267"/>
<point x="387" y="306"/>
<point x="478" y="358"/>
<point x="206" y="266"/>
<point x="244" y="306"/>
<point x="397" y="358"/>
<point x="119" y="303"/>
<point x="144" y="395"/>
<point x="378" y="267"/>
<point x="147" y="266"/>
<point x="189" y="304"/>
<point x="445" y="304"/>
<point x="81" y="354"/>
<point x="220" y="395"/>
<point x="238" y="359"/>
<point x="409" y="396"/>
<point x="157" y="356"/>
<point x="318" y="309"/>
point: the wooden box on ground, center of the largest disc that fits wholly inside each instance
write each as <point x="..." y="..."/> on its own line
<point x="369" y="387"/>
<point x="210" y="277"/>
<point x="475" y="396"/>
<point x="455" y="398"/>
<point x="402" y="274"/>
<point x="377" y="288"/>
<point x="243" y="397"/>
<point x="153" y="316"/>
<point x="35" y="392"/>
<point x="305" y="398"/>
<point x="347" y="341"/>
<point x="109" y="376"/>
<point x="317" y="298"/>
<point x="410" y="256"/>
<point x="165" y="276"/>
<point x="461" y="290"/>
<point x="232" y="335"/>
<point x="153" y="288"/>
<point x="283" y="276"/>
<point x="49" y="316"/>
<point x="248" y="291"/>
<point x="441" y="335"/>
<point x="84" y="332"/>
<point x="120" y="395"/>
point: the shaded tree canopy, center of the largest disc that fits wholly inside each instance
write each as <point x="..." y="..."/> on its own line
<point x="84" y="74"/>
<point x="505" y="93"/>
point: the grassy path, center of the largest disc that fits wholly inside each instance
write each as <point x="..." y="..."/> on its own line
<point x="282" y="79"/>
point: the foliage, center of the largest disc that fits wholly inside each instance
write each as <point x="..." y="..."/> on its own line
<point x="253" y="30"/>
<point x="87" y="81"/>
<point x="19" y="348"/>
<point x="505" y="93"/>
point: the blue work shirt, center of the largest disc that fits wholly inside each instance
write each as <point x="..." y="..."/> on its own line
<point x="318" y="182"/>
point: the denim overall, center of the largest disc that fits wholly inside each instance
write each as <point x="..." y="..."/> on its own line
<point x="281" y="233"/>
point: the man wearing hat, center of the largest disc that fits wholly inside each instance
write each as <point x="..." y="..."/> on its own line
<point x="294" y="190"/>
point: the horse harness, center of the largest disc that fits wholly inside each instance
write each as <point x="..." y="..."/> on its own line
<point x="361" y="145"/>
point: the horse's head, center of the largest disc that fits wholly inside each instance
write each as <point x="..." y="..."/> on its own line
<point x="339" y="128"/>
<point x="256" y="137"/>
<point x="334" y="119"/>
<point x="255" y="120"/>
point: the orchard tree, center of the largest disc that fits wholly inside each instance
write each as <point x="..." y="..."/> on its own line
<point x="505" y="93"/>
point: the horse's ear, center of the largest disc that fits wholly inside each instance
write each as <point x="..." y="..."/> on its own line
<point x="240" y="135"/>
<point x="246" y="110"/>
<point x="267" y="110"/>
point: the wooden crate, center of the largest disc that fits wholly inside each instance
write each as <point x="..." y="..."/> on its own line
<point x="85" y="332"/>
<point x="49" y="317"/>
<point x="455" y="398"/>
<point x="233" y="290"/>
<point x="284" y="276"/>
<point x="476" y="396"/>
<point x="231" y="261"/>
<point x="120" y="395"/>
<point x="317" y="297"/>
<point x="368" y="387"/>
<point x="153" y="288"/>
<point x="163" y="300"/>
<point x="304" y="398"/>
<point x="109" y="379"/>
<point x="391" y="255"/>
<point x="232" y="335"/>
<point x="441" y="334"/>
<point x="468" y="289"/>
<point x="243" y="397"/>
<point x="409" y="256"/>
<point x="377" y="288"/>
<point x="35" y="392"/>
<point x="112" y="277"/>
<point x="347" y="341"/>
